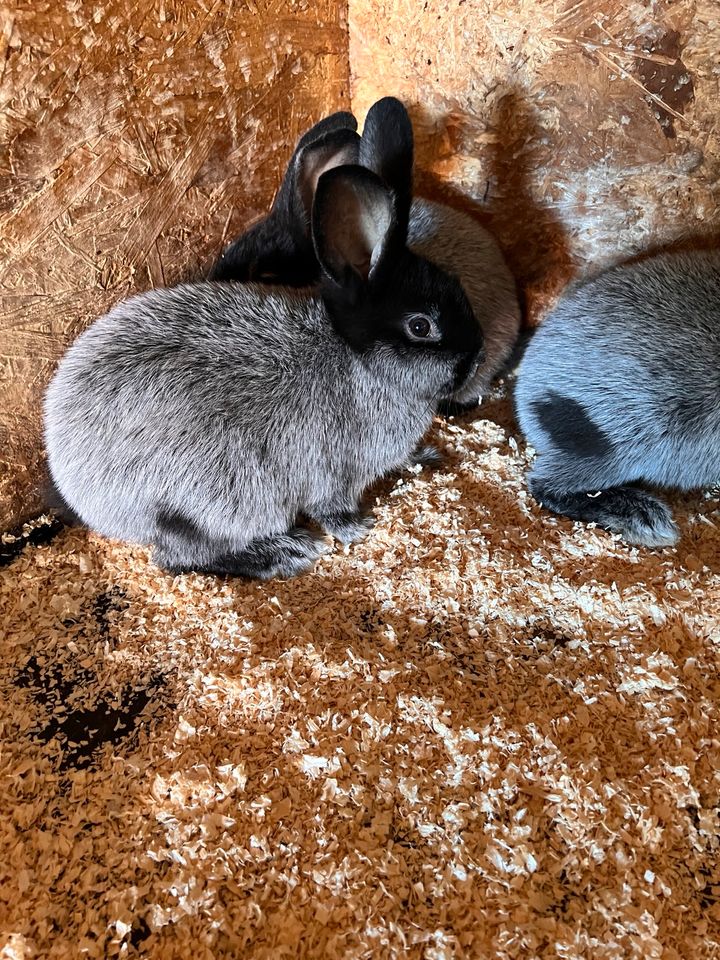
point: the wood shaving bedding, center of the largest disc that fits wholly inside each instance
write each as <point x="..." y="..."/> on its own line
<point x="483" y="732"/>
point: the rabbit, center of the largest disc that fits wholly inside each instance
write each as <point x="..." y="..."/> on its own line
<point x="619" y="387"/>
<point x="449" y="238"/>
<point x="279" y="249"/>
<point x="205" y="419"/>
<point x="456" y="242"/>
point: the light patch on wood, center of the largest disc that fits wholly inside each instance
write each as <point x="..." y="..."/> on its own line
<point x="582" y="133"/>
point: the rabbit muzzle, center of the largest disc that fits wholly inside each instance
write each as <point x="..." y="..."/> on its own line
<point x="465" y="372"/>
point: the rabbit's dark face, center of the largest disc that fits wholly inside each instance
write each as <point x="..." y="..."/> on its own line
<point x="421" y="312"/>
<point x="381" y="297"/>
<point x="268" y="253"/>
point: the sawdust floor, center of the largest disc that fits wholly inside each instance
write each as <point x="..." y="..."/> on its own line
<point x="484" y="732"/>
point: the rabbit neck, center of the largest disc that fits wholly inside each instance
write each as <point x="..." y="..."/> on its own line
<point x="392" y="374"/>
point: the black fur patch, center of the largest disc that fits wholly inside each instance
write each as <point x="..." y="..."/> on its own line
<point x="280" y="555"/>
<point x="570" y="428"/>
<point x="635" y="514"/>
<point x="58" y="505"/>
<point x="240" y="262"/>
<point x="346" y="526"/>
<point x="174" y="523"/>
<point x="273" y="266"/>
<point x="364" y="315"/>
<point x="387" y="147"/>
<point x="451" y="408"/>
<point x="463" y="369"/>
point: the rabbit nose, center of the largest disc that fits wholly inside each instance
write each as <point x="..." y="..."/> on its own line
<point x="465" y="370"/>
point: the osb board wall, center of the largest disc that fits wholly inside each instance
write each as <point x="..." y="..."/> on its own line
<point x="586" y="130"/>
<point x="134" y="137"/>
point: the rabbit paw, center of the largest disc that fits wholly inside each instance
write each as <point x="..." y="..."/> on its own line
<point x="346" y="527"/>
<point x="425" y="455"/>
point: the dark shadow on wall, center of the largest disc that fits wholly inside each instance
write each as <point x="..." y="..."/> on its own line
<point x="508" y="151"/>
<point x="531" y="234"/>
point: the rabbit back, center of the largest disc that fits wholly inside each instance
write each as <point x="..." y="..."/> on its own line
<point x="622" y="381"/>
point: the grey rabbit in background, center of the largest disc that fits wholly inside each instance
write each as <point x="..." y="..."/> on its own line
<point x="621" y="386"/>
<point x="451" y="239"/>
<point x="205" y="419"/>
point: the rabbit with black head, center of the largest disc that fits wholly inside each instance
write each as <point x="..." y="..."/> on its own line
<point x="620" y="388"/>
<point x="449" y="238"/>
<point x="457" y="243"/>
<point x="206" y="419"/>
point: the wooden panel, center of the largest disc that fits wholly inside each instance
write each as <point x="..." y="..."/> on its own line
<point x="585" y="131"/>
<point x="135" y="137"/>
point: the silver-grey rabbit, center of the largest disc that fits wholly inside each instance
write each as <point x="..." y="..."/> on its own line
<point x="206" y="419"/>
<point x="620" y="387"/>
<point x="278" y="249"/>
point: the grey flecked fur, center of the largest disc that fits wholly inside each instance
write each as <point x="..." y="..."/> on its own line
<point x="621" y="386"/>
<point x="456" y="242"/>
<point x="204" y="418"/>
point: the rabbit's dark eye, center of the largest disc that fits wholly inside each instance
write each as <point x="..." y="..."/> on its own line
<point x="420" y="327"/>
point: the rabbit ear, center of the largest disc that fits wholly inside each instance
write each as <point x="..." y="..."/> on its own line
<point x="329" y="143"/>
<point x="386" y="148"/>
<point x="335" y="149"/>
<point x="354" y="224"/>
<point x="342" y="120"/>
<point x="279" y="249"/>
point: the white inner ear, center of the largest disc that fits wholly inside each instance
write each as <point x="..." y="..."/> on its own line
<point x="327" y="160"/>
